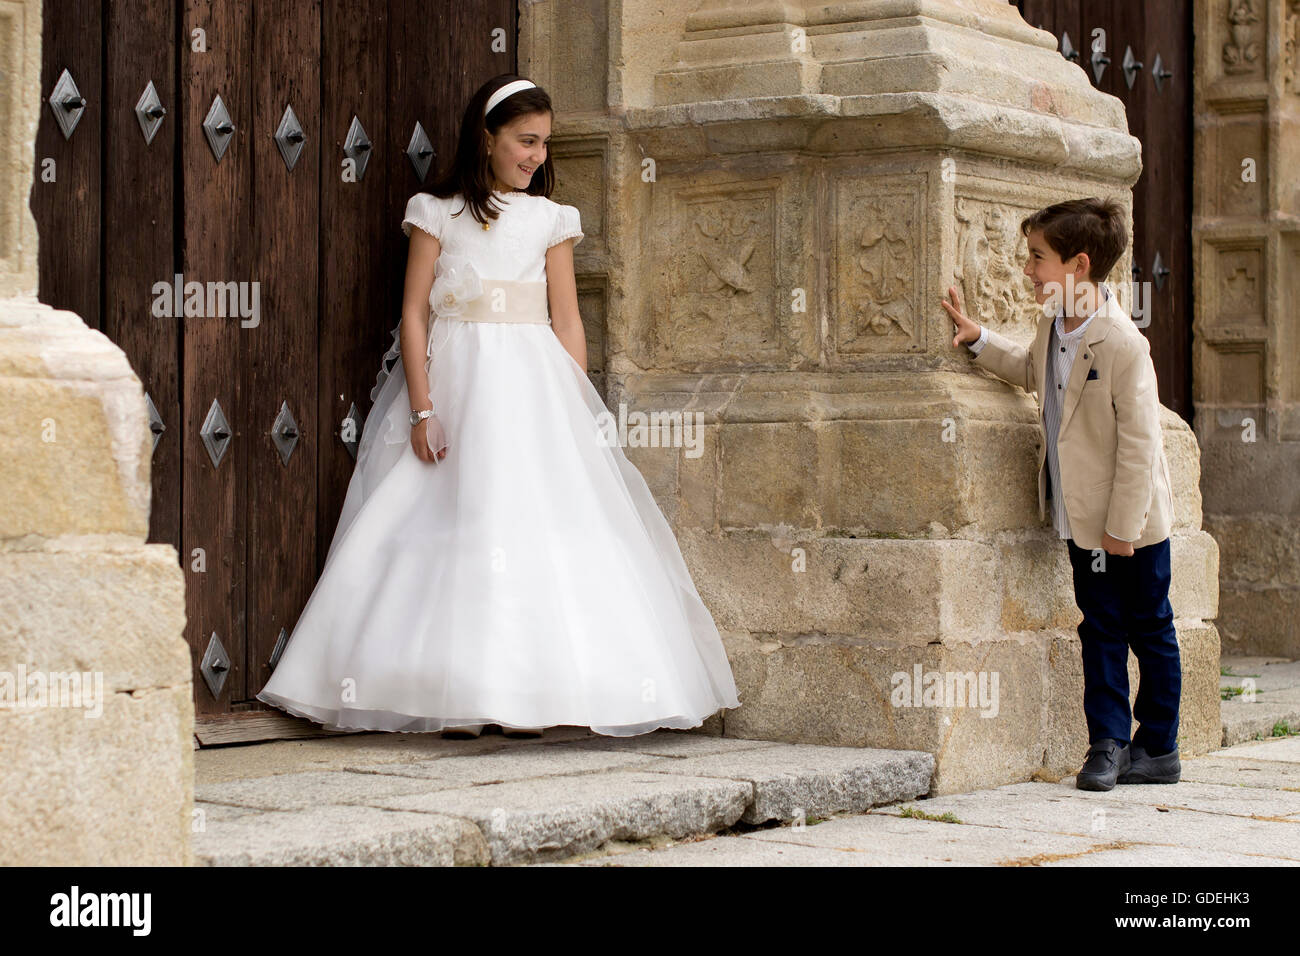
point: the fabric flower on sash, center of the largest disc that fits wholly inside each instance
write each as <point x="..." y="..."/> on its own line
<point x="455" y="283"/>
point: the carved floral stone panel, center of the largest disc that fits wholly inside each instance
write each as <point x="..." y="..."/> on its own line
<point x="719" y="295"/>
<point x="878" y="275"/>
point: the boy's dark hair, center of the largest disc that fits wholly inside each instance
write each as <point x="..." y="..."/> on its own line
<point x="470" y="173"/>
<point x="1095" y="226"/>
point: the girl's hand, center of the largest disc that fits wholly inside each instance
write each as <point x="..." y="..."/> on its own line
<point x="967" y="331"/>
<point x="429" y="440"/>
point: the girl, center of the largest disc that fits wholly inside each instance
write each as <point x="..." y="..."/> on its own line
<point x="497" y="560"/>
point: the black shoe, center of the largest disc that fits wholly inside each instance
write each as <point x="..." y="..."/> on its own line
<point x="1145" y="768"/>
<point x="1106" y="760"/>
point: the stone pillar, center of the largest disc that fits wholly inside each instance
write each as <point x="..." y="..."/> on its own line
<point x="784" y="190"/>
<point x="1246" y="344"/>
<point x="96" y="711"/>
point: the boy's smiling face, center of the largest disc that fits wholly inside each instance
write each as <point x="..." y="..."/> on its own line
<point x="1048" y="272"/>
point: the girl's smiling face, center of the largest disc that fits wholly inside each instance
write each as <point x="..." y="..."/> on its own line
<point x="518" y="149"/>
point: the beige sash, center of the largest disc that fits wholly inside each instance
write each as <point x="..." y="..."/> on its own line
<point x="517" y="301"/>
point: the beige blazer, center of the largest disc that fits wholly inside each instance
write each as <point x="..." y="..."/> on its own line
<point x="1114" y="476"/>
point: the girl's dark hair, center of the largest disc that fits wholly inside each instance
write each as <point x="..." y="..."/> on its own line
<point x="470" y="172"/>
<point x="1094" y="226"/>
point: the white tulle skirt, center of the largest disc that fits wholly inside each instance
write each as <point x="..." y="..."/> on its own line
<point x="528" y="579"/>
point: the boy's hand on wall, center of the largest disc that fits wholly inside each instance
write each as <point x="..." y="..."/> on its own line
<point x="967" y="331"/>
<point x="1115" y="546"/>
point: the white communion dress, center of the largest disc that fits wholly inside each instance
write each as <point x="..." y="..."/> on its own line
<point x="527" y="579"/>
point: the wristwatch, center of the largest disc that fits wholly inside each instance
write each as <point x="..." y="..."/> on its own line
<point x="417" y="417"/>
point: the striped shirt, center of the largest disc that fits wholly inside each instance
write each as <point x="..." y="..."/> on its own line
<point x="1062" y="346"/>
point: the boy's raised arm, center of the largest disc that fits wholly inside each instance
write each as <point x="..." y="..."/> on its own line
<point x="1008" y="360"/>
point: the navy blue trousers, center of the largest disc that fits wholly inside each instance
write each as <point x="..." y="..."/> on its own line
<point x="1127" y="605"/>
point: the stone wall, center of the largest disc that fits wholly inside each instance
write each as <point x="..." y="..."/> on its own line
<point x="783" y="194"/>
<point x="1246" y="371"/>
<point x="96" y="707"/>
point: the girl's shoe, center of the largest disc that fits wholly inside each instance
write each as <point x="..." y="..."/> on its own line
<point x="521" y="731"/>
<point x="464" y="732"/>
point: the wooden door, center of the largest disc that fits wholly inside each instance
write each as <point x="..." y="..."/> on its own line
<point x="1156" y="90"/>
<point x="288" y="278"/>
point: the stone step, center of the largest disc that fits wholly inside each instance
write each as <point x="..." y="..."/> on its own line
<point x="1272" y="698"/>
<point x="498" y="801"/>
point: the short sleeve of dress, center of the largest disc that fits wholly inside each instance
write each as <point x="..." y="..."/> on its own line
<point x="567" y="225"/>
<point x="426" y="211"/>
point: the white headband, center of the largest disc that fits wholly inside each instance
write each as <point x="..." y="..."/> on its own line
<point x="510" y="89"/>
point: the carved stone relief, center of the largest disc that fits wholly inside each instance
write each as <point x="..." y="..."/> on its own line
<point x="1240" y="281"/>
<point x="991" y="255"/>
<point x="1291" y="47"/>
<point x="720" y="302"/>
<point x="1242" y="166"/>
<point x="1243" y="50"/>
<point x="880" y="239"/>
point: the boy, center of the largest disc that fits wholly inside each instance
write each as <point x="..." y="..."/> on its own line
<point x="1102" y="465"/>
